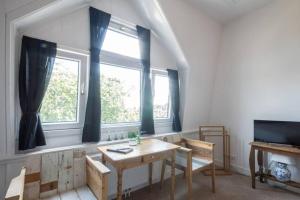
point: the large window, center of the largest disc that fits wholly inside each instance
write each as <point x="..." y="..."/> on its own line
<point x="64" y="96"/>
<point x="121" y="80"/>
<point x="64" y="103"/>
<point x="120" y="94"/>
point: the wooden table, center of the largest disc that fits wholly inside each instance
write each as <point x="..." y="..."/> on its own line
<point x="262" y="147"/>
<point x="147" y="152"/>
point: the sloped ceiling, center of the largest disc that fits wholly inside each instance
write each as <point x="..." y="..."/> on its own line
<point x="226" y="10"/>
<point x="153" y="13"/>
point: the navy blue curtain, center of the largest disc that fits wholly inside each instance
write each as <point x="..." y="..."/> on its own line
<point x="147" y="122"/>
<point x="36" y="64"/>
<point x="175" y="99"/>
<point x="99" y="22"/>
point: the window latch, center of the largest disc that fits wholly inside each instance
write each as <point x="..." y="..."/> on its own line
<point x="82" y="92"/>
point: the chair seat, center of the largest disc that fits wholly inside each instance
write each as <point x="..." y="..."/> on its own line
<point x="197" y="162"/>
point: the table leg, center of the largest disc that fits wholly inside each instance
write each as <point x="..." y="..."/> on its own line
<point x="119" y="186"/>
<point x="252" y="166"/>
<point x="260" y="164"/>
<point x="103" y="160"/>
<point x="150" y="175"/>
<point x="173" y="175"/>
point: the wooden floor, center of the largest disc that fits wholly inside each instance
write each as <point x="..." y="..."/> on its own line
<point x="83" y="193"/>
<point x="235" y="187"/>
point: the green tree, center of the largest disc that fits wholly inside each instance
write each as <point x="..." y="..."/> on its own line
<point x="113" y="106"/>
<point x="60" y="101"/>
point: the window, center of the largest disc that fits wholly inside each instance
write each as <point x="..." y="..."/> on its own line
<point x="121" y="80"/>
<point x="120" y="94"/>
<point x="161" y="100"/>
<point x="62" y="101"/>
<point x="120" y="43"/>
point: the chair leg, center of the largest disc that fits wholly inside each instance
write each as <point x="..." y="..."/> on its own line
<point x="213" y="175"/>
<point x="163" y="168"/>
<point x="189" y="184"/>
<point x="189" y="174"/>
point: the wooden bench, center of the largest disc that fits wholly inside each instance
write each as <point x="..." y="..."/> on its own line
<point x="60" y="175"/>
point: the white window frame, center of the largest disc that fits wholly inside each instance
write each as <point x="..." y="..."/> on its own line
<point x="83" y="59"/>
<point x="160" y="72"/>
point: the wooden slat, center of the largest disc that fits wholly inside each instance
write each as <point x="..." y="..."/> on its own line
<point x="16" y="187"/>
<point x="65" y="171"/>
<point x="49" y="175"/>
<point x="49" y="170"/>
<point x="32" y="191"/>
<point x="49" y="186"/>
<point x="33" y="164"/>
<point x="79" y="168"/>
<point x="29" y="178"/>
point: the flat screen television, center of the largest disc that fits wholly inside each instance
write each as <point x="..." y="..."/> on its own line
<point x="280" y="132"/>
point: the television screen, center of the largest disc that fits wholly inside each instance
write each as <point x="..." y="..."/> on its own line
<point x="281" y="132"/>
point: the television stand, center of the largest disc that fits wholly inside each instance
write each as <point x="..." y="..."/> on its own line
<point x="262" y="147"/>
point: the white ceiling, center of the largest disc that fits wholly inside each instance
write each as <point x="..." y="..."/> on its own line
<point x="227" y="10"/>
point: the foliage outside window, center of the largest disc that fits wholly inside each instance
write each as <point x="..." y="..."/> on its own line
<point x="120" y="94"/>
<point x="61" y="99"/>
<point x="161" y="105"/>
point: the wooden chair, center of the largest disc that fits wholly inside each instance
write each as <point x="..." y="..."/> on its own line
<point x="193" y="156"/>
<point x="96" y="180"/>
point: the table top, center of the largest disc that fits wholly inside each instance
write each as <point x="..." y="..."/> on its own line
<point x="147" y="147"/>
<point x="277" y="147"/>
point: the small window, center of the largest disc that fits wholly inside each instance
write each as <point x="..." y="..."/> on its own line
<point x="161" y="100"/>
<point x="120" y="43"/>
<point x="64" y="99"/>
<point x="120" y="94"/>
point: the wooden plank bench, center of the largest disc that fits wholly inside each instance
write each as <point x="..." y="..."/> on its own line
<point x="61" y="175"/>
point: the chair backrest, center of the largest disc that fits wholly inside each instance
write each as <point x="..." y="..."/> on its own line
<point x="16" y="188"/>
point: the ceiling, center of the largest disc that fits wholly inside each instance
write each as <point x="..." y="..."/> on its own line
<point x="227" y="10"/>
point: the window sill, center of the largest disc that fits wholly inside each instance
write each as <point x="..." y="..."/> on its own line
<point x="90" y="147"/>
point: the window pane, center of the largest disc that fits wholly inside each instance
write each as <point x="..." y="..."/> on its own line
<point x="121" y="44"/>
<point x="61" y="98"/>
<point x="161" y="96"/>
<point x="120" y="94"/>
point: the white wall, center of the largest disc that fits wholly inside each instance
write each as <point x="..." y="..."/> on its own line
<point x="258" y="74"/>
<point x="72" y="30"/>
<point x="199" y="39"/>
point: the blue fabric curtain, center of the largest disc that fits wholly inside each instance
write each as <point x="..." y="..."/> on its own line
<point x="36" y="64"/>
<point x="99" y="22"/>
<point x="147" y="122"/>
<point x="175" y="99"/>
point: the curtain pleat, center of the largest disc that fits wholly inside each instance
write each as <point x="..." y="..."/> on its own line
<point x="36" y="65"/>
<point x="175" y="99"/>
<point x="147" y="122"/>
<point x="99" y="22"/>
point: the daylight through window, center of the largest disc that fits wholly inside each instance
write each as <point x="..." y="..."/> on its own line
<point x="61" y="99"/>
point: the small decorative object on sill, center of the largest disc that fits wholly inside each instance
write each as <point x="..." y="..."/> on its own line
<point x="132" y="138"/>
<point x="138" y="139"/>
<point x="280" y="171"/>
<point x="116" y="137"/>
